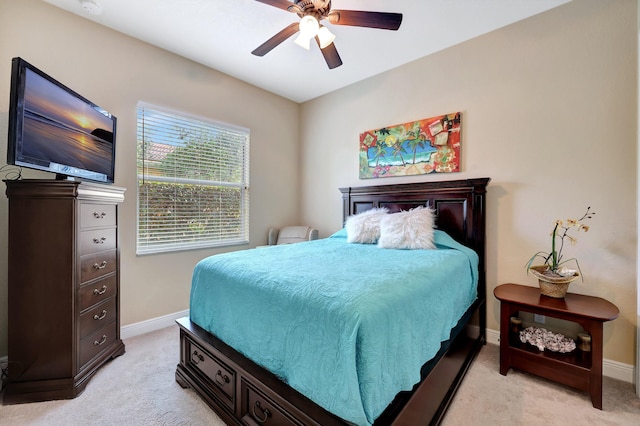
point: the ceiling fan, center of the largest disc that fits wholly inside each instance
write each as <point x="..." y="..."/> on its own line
<point x="311" y="13"/>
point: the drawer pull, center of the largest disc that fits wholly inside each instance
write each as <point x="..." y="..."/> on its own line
<point x="220" y="379"/>
<point x="265" y="413"/>
<point x="100" y="266"/>
<point x="196" y="358"/>
<point x="100" y="240"/>
<point x="101" y="342"/>
<point x="99" y="215"/>
<point x="100" y="317"/>
<point x="101" y="291"/>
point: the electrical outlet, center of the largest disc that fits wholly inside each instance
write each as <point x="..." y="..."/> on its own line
<point x="538" y="318"/>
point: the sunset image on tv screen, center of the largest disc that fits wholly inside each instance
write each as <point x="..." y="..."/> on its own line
<point x="61" y="131"/>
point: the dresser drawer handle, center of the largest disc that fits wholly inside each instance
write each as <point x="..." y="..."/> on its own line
<point x="265" y="413"/>
<point x="100" y="240"/>
<point x="99" y="215"/>
<point x="101" y="342"/>
<point x="100" y="266"/>
<point x="103" y="290"/>
<point x="220" y="379"/>
<point x="101" y="316"/>
<point x="196" y="358"/>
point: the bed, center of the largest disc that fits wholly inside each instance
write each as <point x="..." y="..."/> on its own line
<point x="243" y="345"/>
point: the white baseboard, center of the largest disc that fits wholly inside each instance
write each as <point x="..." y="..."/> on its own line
<point x="613" y="369"/>
<point x="150" y="325"/>
<point x="618" y="370"/>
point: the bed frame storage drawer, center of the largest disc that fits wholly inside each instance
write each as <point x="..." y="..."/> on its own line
<point x="258" y="409"/>
<point x="221" y="378"/>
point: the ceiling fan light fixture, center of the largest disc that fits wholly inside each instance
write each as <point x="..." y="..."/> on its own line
<point x="309" y="26"/>
<point x="326" y="37"/>
<point x="303" y="41"/>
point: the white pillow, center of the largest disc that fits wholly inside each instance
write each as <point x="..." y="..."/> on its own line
<point x="364" y="227"/>
<point x="411" y="229"/>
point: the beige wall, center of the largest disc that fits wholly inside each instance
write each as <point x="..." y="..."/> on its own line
<point x="549" y="113"/>
<point x="116" y="72"/>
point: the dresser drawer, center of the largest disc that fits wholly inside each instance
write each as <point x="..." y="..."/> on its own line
<point x="97" y="240"/>
<point x="95" y="265"/>
<point x="97" y="291"/>
<point x="93" y="215"/>
<point x="221" y="378"/>
<point x="258" y="409"/>
<point x="97" y="316"/>
<point x="100" y="340"/>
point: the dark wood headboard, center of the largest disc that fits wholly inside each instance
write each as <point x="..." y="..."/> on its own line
<point x="459" y="206"/>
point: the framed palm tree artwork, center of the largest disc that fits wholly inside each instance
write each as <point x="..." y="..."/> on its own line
<point x="431" y="145"/>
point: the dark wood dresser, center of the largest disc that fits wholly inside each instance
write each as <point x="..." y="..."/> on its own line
<point x="63" y="270"/>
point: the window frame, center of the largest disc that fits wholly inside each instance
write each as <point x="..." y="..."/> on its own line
<point x="178" y="244"/>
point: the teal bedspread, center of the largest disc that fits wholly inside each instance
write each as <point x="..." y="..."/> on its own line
<point x="347" y="325"/>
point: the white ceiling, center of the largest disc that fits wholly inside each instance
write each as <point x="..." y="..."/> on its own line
<point x="222" y="33"/>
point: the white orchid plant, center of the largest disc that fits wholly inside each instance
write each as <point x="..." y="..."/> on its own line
<point x="554" y="259"/>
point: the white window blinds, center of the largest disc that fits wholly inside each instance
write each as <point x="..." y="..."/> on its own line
<point x="193" y="182"/>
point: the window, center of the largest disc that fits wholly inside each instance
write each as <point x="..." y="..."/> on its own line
<point x="193" y="182"/>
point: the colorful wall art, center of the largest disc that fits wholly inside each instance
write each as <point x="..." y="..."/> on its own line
<point x="431" y="145"/>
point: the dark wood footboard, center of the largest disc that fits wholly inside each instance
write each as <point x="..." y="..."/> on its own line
<point x="242" y="392"/>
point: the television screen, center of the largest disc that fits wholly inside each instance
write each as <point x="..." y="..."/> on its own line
<point x="53" y="128"/>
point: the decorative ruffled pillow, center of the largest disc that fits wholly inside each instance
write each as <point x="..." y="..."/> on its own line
<point x="364" y="227"/>
<point x="411" y="229"/>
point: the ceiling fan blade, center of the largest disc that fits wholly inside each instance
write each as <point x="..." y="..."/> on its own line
<point x="280" y="4"/>
<point x="274" y="41"/>
<point x="330" y="54"/>
<point x="358" y="18"/>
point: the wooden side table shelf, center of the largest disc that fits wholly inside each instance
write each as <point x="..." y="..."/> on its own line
<point x="578" y="369"/>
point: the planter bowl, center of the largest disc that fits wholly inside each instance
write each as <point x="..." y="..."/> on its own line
<point x="552" y="285"/>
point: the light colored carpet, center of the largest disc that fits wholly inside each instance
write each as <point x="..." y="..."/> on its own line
<point x="139" y="388"/>
<point x="488" y="398"/>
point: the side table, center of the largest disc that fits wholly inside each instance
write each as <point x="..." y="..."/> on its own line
<point x="578" y="369"/>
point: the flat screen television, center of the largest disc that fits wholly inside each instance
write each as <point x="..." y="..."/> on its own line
<point x="55" y="129"/>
